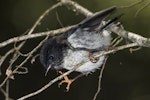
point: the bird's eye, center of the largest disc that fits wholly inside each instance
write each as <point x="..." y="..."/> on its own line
<point x="51" y="57"/>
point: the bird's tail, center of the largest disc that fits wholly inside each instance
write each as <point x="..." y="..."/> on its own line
<point x="111" y="21"/>
<point x="97" y="18"/>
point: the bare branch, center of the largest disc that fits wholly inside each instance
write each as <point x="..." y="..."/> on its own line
<point x="58" y="19"/>
<point x="140" y="40"/>
<point x="43" y="15"/>
<point x="142" y="8"/>
<point x="100" y="79"/>
<point x="3" y="91"/>
<point x="2" y="59"/>
<point x="15" y="70"/>
<point x="6" y="93"/>
<point x="25" y="71"/>
<point x="77" y="7"/>
<point x="35" y="35"/>
<point x="133" y="4"/>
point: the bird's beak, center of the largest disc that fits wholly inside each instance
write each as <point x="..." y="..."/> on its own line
<point x="48" y="69"/>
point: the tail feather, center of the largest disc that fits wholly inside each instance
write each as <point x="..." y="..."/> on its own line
<point x="97" y="18"/>
<point x="111" y="21"/>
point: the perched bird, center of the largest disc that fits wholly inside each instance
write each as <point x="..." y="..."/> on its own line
<point x="84" y="41"/>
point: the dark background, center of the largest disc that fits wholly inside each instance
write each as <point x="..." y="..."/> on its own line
<point x="126" y="76"/>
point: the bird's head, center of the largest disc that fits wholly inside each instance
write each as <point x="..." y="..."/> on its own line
<point x="51" y="54"/>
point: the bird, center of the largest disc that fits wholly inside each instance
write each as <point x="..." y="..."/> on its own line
<point x="87" y="39"/>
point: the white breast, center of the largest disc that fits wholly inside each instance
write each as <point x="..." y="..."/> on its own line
<point x="72" y="58"/>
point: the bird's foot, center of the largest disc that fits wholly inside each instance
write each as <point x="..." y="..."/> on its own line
<point x="66" y="80"/>
<point x="92" y="58"/>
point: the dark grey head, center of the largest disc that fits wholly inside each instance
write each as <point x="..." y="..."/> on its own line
<point x="51" y="54"/>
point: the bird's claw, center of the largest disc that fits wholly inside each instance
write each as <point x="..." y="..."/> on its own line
<point x="68" y="84"/>
<point x="92" y="58"/>
<point x="66" y="80"/>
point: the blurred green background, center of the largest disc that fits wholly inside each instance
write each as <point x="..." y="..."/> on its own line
<point x="126" y="76"/>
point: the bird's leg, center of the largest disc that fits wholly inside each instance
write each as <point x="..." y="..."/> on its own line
<point x="92" y="58"/>
<point x="68" y="81"/>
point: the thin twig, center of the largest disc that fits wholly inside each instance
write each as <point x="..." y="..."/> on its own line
<point x="118" y="49"/>
<point x="6" y="93"/>
<point x="22" y="72"/>
<point x="77" y="7"/>
<point x="58" y="19"/>
<point x="34" y="58"/>
<point x="17" y="50"/>
<point x="134" y="49"/>
<point x="43" y="15"/>
<point x="133" y="4"/>
<point x="3" y="91"/>
<point x="8" y="53"/>
<point x="2" y="59"/>
<point x="142" y="8"/>
<point x="100" y="79"/>
<point x="7" y="90"/>
<point x="140" y="40"/>
<point x="116" y="41"/>
<point x="15" y="70"/>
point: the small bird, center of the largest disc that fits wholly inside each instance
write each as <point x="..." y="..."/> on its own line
<point x="87" y="39"/>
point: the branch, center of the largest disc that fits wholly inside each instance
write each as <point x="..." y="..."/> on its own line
<point x="100" y="79"/>
<point x="142" y="8"/>
<point x="43" y="15"/>
<point x="77" y="7"/>
<point x="140" y="40"/>
<point x="133" y="4"/>
<point x="19" y="66"/>
<point x="3" y="58"/>
<point x="35" y="35"/>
